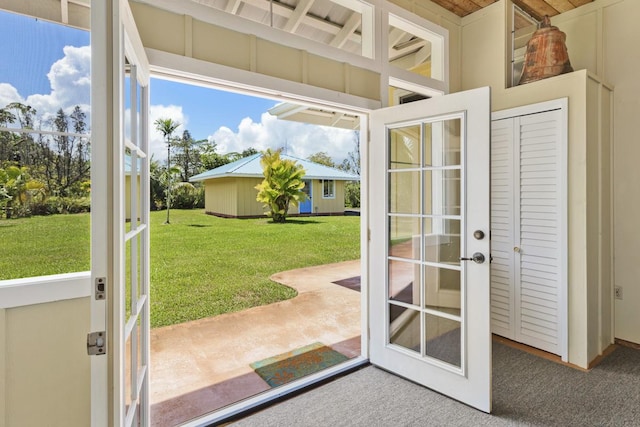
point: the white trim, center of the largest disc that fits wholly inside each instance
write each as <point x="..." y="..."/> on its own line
<point x="272" y="394"/>
<point x="525" y="110"/>
<point x="235" y="23"/>
<point x="42" y="289"/>
<point x="198" y="72"/>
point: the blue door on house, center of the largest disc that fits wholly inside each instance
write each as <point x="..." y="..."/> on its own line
<point x="305" y="207"/>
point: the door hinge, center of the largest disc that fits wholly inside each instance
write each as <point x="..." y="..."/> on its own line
<point x="97" y="343"/>
<point x="100" y="288"/>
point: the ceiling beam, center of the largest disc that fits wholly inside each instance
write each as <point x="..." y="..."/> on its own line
<point x="233" y="6"/>
<point x="317" y="23"/>
<point x="298" y="15"/>
<point x="422" y="55"/>
<point x="395" y="35"/>
<point x="347" y="30"/>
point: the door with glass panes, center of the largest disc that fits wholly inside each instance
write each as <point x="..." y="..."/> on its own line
<point x="429" y="265"/>
<point x="120" y="219"/>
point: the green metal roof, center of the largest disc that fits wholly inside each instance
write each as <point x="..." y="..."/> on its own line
<point x="250" y="167"/>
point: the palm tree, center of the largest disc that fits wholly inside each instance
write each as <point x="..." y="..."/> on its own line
<point x="282" y="185"/>
<point x="167" y="127"/>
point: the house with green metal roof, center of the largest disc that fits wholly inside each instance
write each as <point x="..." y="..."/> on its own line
<point x="230" y="189"/>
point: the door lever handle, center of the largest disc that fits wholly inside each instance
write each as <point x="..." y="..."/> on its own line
<point x="477" y="257"/>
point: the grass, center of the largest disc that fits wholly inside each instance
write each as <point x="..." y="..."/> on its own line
<point x="201" y="266"/>
<point x="43" y="245"/>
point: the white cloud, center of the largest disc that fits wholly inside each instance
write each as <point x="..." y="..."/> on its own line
<point x="157" y="146"/>
<point x="9" y="94"/>
<point x="298" y="139"/>
<point x="70" y="80"/>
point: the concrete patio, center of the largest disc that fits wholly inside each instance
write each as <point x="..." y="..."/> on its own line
<point x="200" y="366"/>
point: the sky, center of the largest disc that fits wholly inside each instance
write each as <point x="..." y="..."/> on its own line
<point x="47" y="66"/>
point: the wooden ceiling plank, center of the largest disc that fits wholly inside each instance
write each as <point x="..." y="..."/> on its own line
<point x="536" y="8"/>
<point x="451" y="7"/>
<point x="484" y="3"/>
<point x="468" y="5"/>
<point x="578" y="3"/>
<point x="561" y="5"/>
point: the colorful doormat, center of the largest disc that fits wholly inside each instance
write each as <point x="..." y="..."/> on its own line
<point x="286" y="367"/>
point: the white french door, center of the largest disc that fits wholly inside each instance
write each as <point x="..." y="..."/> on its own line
<point x="429" y="248"/>
<point x="120" y="219"/>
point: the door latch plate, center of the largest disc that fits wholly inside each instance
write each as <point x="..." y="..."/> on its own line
<point x="97" y="343"/>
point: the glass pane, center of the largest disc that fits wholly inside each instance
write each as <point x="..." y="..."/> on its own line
<point x="442" y="289"/>
<point x="443" y="339"/>
<point x="404" y="327"/>
<point x="128" y="358"/>
<point x="442" y="143"/>
<point x="416" y="49"/>
<point x="442" y="192"/>
<point x="404" y="282"/>
<point x="399" y="96"/>
<point x="404" y="192"/>
<point x="409" y="51"/>
<point x="404" y="147"/>
<point x="442" y="240"/>
<point x="404" y="237"/>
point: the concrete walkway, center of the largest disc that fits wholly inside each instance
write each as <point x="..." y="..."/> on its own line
<point x="200" y="366"/>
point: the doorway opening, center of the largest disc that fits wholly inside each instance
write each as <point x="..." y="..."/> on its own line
<point x="284" y="300"/>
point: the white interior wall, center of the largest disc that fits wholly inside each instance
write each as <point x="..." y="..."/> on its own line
<point x="600" y="37"/>
<point x="484" y="42"/>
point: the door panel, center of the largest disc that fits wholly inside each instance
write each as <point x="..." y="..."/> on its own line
<point x="120" y="216"/>
<point x="430" y="308"/>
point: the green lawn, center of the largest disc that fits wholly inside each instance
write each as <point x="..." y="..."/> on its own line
<point x="200" y="265"/>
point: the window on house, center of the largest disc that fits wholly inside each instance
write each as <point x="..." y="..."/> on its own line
<point x="328" y="189"/>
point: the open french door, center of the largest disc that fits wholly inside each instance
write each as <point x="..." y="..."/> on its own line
<point x="429" y="248"/>
<point x="119" y="341"/>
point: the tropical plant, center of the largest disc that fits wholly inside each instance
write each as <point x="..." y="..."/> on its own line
<point x="19" y="190"/>
<point x="282" y="185"/>
<point x="167" y="127"/>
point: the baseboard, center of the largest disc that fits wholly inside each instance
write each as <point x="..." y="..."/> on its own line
<point x="629" y="344"/>
<point x="553" y="357"/>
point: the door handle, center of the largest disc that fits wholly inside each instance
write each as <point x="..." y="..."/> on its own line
<point x="477" y="257"/>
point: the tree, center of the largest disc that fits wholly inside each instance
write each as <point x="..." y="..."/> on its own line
<point x="322" y="158"/>
<point x="282" y="185"/>
<point x="187" y="156"/>
<point x="167" y="127"/>
<point x="352" y="165"/>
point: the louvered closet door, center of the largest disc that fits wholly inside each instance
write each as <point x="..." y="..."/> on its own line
<point x="502" y="228"/>
<point x="529" y="230"/>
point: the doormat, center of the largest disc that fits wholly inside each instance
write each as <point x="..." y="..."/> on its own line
<point x="295" y="364"/>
